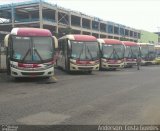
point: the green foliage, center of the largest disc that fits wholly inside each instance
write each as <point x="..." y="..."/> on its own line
<point x="123" y="39"/>
<point x="68" y="30"/>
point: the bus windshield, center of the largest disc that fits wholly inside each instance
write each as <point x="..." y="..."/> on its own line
<point x="144" y="51"/>
<point x="115" y="51"/>
<point x="32" y="49"/>
<point x="151" y="51"/>
<point x="132" y="52"/>
<point x="84" y="50"/>
<point x="157" y="52"/>
<point x="147" y="51"/>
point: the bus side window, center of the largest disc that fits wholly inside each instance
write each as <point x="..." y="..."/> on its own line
<point x="60" y="46"/>
<point x="9" y="51"/>
<point x="64" y="47"/>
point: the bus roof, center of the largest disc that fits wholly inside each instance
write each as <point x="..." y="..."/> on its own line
<point x="30" y="32"/>
<point x="129" y="43"/>
<point x="79" y="37"/>
<point x="157" y="46"/>
<point x="109" y="41"/>
<point x="145" y="44"/>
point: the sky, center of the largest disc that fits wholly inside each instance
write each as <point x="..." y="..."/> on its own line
<point x="139" y="14"/>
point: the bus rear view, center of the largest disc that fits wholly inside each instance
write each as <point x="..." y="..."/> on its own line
<point x="30" y="52"/>
<point x="78" y="53"/>
<point x="112" y="54"/>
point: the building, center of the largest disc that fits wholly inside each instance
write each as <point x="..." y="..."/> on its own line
<point x="61" y="21"/>
<point x="148" y="37"/>
<point x="158" y="33"/>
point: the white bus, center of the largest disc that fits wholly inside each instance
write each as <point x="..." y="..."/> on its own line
<point x="78" y="53"/>
<point x="30" y="52"/>
<point x="132" y="53"/>
<point x="147" y="53"/>
<point x="112" y="54"/>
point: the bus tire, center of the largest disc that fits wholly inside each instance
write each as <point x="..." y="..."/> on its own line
<point x="8" y="67"/>
<point x="101" y="69"/>
<point x="100" y="66"/>
<point x="67" y="67"/>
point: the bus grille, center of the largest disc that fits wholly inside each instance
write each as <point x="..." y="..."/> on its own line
<point x="113" y="65"/>
<point x="32" y="73"/>
<point x="85" y="68"/>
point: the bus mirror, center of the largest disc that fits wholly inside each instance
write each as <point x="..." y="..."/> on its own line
<point x="55" y="42"/>
<point x="6" y="40"/>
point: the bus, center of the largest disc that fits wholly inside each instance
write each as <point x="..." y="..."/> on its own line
<point x="78" y="53"/>
<point x="111" y="53"/>
<point x="157" y="52"/>
<point x="147" y="53"/>
<point x="30" y="52"/>
<point x="132" y="53"/>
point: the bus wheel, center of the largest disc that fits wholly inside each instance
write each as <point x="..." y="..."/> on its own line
<point x="8" y="72"/>
<point x="8" y="68"/>
<point x="16" y="79"/>
<point x="67" y="67"/>
<point x="101" y="69"/>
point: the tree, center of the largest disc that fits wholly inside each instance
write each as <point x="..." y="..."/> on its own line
<point x="68" y="30"/>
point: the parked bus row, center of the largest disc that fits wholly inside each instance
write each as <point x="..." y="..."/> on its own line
<point x="86" y="53"/>
<point x="32" y="52"/>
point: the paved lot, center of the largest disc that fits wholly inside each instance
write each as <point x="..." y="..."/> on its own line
<point x="107" y="97"/>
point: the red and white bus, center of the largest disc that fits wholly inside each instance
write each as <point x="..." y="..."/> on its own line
<point x="132" y="52"/>
<point x="30" y="52"/>
<point x="148" y="54"/>
<point x="112" y="54"/>
<point x="78" y="53"/>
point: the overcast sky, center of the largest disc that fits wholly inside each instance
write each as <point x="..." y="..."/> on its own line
<point x="139" y="14"/>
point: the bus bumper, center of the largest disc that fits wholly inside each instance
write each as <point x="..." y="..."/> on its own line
<point x="40" y="73"/>
<point x="112" y="66"/>
<point x="157" y="61"/>
<point x="148" y="62"/>
<point x="74" y="67"/>
<point x="129" y="64"/>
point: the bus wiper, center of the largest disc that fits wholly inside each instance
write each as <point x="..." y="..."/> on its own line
<point x="132" y="54"/>
<point x="81" y="52"/>
<point x="29" y="50"/>
<point x="90" y="53"/>
<point x="116" y="53"/>
<point x="38" y="55"/>
<point x="111" y="54"/>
